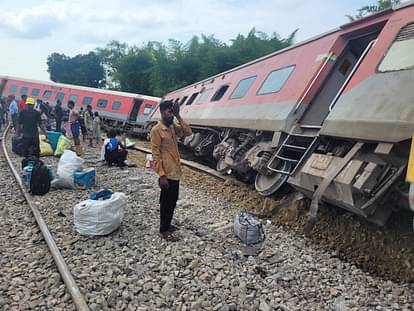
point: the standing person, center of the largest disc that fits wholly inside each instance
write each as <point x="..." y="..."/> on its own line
<point x="58" y="115"/>
<point x="13" y="111"/>
<point x="88" y="119"/>
<point x="29" y="121"/>
<point x="167" y="162"/>
<point x="82" y="123"/>
<point x="44" y="118"/>
<point x="96" y="130"/>
<point x="22" y="102"/>
<point x="75" y="126"/>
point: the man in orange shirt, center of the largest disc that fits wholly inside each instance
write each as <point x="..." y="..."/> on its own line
<point x="167" y="162"/>
<point x="22" y="103"/>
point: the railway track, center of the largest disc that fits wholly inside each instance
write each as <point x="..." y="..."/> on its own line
<point x="27" y="201"/>
<point x="132" y="268"/>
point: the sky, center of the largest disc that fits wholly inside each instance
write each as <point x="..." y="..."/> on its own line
<point x="31" y="30"/>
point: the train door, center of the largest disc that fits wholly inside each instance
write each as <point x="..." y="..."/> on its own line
<point x="345" y="66"/>
<point x="135" y="109"/>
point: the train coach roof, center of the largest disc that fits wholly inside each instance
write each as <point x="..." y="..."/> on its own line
<point x="338" y="29"/>
<point x="84" y="88"/>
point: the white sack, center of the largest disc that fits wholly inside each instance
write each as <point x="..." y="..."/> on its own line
<point x="69" y="163"/>
<point x="99" y="217"/>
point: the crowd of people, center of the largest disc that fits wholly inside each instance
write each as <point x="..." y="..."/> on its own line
<point x="28" y="115"/>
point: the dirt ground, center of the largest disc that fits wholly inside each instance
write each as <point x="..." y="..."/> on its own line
<point x="386" y="251"/>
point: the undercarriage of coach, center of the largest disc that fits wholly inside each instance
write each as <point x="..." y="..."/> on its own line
<point x="364" y="178"/>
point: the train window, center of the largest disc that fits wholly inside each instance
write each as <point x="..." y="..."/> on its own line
<point x="183" y="100"/>
<point x="60" y="96"/>
<point x="87" y="100"/>
<point x="13" y="88"/>
<point x="204" y="96"/>
<point x="400" y="56"/>
<point x="73" y="98"/>
<point x="190" y="101"/>
<point x="275" y="80"/>
<point x="102" y="103"/>
<point x="116" y="105"/>
<point x="220" y="92"/>
<point x="24" y="90"/>
<point x="35" y="92"/>
<point x="147" y="109"/>
<point x="47" y="93"/>
<point x="242" y="88"/>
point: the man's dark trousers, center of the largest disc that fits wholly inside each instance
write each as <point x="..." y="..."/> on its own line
<point x="58" y="124"/>
<point x="31" y="146"/>
<point x="168" y="200"/>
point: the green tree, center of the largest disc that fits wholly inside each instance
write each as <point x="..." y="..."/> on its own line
<point x="369" y="9"/>
<point x="83" y="69"/>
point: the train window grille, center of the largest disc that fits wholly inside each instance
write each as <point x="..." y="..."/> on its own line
<point x="400" y="55"/>
<point x="47" y="94"/>
<point x="220" y="93"/>
<point x="13" y="88"/>
<point x="204" y="96"/>
<point x="73" y="98"/>
<point x="242" y="87"/>
<point x="60" y="96"/>
<point x="275" y="80"/>
<point x="116" y="105"/>
<point x="102" y="103"/>
<point x="35" y="92"/>
<point x="192" y="98"/>
<point x="24" y="90"/>
<point x="147" y="109"/>
<point x="87" y="100"/>
<point x="183" y="100"/>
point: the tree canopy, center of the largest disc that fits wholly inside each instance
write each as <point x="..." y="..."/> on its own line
<point x="83" y="69"/>
<point x="156" y="68"/>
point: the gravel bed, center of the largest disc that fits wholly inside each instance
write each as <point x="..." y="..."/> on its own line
<point x="29" y="279"/>
<point x="208" y="269"/>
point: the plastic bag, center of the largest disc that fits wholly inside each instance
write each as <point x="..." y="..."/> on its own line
<point x="45" y="149"/>
<point x="99" y="217"/>
<point x="63" y="144"/>
<point x="69" y="163"/>
<point x="248" y="229"/>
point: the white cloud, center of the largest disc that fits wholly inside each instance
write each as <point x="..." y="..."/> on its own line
<point x="71" y="27"/>
<point x="37" y="22"/>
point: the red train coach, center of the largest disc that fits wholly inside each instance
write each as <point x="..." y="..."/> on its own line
<point x="274" y="118"/>
<point x="128" y="110"/>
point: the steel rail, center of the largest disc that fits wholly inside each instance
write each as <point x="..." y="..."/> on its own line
<point x="67" y="277"/>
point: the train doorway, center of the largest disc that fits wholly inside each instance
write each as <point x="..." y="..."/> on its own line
<point x="135" y="109"/>
<point x="345" y="66"/>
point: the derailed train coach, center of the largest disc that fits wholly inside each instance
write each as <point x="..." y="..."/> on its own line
<point x="119" y="109"/>
<point x="332" y="116"/>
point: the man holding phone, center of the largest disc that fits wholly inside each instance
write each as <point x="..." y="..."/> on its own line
<point x="167" y="162"/>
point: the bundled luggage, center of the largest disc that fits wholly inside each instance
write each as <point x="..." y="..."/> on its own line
<point x="101" y="216"/>
<point x="248" y="228"/>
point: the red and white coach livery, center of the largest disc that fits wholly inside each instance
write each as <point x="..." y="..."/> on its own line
<point x="333" y="116"/>
<point x="115" y="108"/>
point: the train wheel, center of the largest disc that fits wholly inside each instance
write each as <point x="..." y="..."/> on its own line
<point x="222" y="167"/>
<point x="269" y="184"/>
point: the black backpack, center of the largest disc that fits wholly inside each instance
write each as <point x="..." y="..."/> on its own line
<point x="40" y="180"/>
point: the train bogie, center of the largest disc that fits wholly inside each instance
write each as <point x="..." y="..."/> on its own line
<point x="332" y="116"/>
<point x="119" y="109"/>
